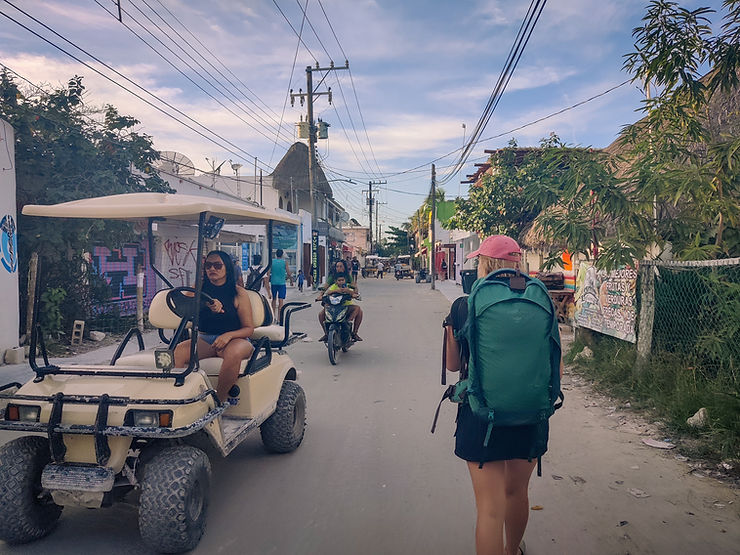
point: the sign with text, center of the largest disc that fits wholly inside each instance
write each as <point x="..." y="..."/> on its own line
<point x="606" y="301"/>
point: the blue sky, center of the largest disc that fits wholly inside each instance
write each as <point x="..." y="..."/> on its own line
<point x="419" y="69"/>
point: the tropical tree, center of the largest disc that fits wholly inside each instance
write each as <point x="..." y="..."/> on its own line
<point x="64" y="151"/>
<point x="674" y="182"/>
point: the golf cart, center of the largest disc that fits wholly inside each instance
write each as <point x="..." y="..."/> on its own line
<point x="138" y="425"/>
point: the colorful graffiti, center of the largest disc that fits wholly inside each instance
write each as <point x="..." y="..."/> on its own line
<point x="180" y="261"/>
<point x="118" y="267"/>
<point x="9" y="243"/>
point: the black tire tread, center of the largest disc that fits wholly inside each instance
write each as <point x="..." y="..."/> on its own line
<point x="22" y="519"/>
<point x="278" y="432"/>
<point x="331" y="346"/>
<point x="164" y="485"/>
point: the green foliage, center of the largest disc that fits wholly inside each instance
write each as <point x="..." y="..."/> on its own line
<point x="496" y="204"/>
<point x="669" y="389"/>
<point x="675" y="158"/>
<point x="51" y="316"/>
<point x="62" y="153"/>
<point x="397" y="242"/>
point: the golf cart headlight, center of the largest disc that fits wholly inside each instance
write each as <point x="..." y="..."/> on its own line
<point x="335" y="299"/>
<point x="150" y="418"/>
<point x="23" y="413"/>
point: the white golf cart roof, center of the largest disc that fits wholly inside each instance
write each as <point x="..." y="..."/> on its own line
<point x="138" y="206"/>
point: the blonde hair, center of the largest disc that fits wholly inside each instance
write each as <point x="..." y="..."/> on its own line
<point x="486" y="264"/>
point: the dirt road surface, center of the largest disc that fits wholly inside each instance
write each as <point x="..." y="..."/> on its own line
<point x="371" y="479"/>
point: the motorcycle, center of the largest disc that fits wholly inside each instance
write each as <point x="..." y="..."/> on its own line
<point x="399" y="274"/>
<point x="338" y="327"/>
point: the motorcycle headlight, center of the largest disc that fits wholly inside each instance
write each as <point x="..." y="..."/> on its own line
<point x="336" y="299"/>
<point x="149" y="418"/>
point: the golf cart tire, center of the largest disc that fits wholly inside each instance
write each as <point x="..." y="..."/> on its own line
<point x="174" y="499"/>
<point x="283" y="431"/>
<point x="23" y="517"/>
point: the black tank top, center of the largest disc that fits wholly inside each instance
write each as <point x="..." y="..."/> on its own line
<point x="228" y="320"/>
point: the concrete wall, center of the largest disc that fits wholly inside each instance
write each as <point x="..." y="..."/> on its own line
<point x="10" y="321"/>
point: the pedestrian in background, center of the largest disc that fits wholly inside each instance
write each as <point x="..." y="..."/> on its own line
<point x="300" y="280"/>
<point x="279" y="274"/>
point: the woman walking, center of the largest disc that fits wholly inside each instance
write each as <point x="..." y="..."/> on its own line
<point x="500" y="470"/>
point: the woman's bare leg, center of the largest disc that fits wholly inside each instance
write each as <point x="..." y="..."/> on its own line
<point x="236" y="350"/>
<point x="489" y="486"/>
<point x="182" y="352"/>
<point x="518" y="472"/>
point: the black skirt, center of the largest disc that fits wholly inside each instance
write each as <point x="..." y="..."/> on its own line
<point x="506" y="442"/>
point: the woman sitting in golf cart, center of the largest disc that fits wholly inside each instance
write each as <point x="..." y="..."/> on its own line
<point x="224" y="325"/>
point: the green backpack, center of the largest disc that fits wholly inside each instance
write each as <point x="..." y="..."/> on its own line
<point x="511" y="342"/>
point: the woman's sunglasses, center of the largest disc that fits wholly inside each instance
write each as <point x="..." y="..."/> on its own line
<point x="214" y="265"/>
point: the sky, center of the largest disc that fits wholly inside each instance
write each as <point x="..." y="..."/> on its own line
<point x="420" y="75"/>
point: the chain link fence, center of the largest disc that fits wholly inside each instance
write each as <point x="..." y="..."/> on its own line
<point x="692" y="310"/>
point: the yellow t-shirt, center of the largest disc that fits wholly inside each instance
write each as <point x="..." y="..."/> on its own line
<point x="335" y="287"/>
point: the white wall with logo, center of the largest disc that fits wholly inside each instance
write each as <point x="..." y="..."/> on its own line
<point x="10" y="320"/>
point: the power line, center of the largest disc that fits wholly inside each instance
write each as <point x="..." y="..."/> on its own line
<point x="290" y="82"/>
<point x="296" y="32"/>
<point x="256" y="116"/>
<point x="215" y="57"/>
<point x="341" y="90"/>
<point x="211" y="82"/>
<point x="515" y="54"/>
<point x="158" y="108"/>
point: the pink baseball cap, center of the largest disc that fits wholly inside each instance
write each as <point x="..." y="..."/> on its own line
<point x="499" y="246"/>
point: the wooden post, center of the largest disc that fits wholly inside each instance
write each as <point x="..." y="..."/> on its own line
<point x="647" y="313"/>
<point x="140" y="298"/>
<point x="33" y="266"/>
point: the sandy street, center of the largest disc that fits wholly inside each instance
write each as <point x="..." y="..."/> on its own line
<point x="370" y="478"/>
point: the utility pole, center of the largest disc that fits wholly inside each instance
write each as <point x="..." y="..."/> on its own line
<point x="370" y="204"/>
<point x="308" y="97"/>
<point x="434" y="216"/>
<point x="378" y="227"/>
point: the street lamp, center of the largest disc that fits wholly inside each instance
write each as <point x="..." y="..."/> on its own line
<point x="236" y="167"/>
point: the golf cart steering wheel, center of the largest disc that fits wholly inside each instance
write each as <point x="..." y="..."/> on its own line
<point x="184" y="305"/>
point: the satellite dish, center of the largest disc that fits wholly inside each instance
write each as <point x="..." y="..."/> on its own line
<point x="174" y="163"/>
<point x="344" y="217"/>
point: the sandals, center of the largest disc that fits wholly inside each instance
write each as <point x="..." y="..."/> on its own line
<point x="356" y="337"/>
<point x="322" y="338"/>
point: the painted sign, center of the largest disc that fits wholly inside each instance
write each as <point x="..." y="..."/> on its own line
<point x="606" y="301"/>
<point x="315" y="257"/>
<point x="284" y="236"/>
<point x="9" y="243"/>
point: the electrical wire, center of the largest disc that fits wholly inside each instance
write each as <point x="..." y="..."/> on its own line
<point x="522" y="39"/>
<point x="290" y="81"/>
<point x="169" y="62"/>
<point x="266" y="108"/>
<point x="213" y="79"/>
<point x="158" y="108"/>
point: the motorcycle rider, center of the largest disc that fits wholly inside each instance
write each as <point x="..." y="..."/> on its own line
<point x="340" y="268"/>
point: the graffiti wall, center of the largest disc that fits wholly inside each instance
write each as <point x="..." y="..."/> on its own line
<point x="8" y="242"/>
<point x="179" y="259"/>
<point x="606" y="301"/>
<point x="118" y="267"/>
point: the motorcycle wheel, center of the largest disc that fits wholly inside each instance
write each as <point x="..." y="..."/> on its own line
<point x="331" y="345"/>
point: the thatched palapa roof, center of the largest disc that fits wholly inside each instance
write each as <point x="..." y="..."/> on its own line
<point x="295" y="165"/>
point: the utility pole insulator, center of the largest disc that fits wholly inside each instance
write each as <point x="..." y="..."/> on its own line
<point x="329" y="95"/>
